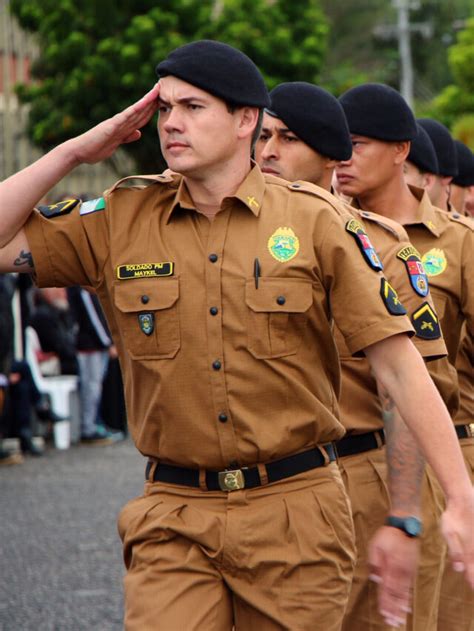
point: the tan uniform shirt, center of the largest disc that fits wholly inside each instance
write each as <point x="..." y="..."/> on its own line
<point x="465" y="368"/>
<point x="225" y="360"/>
<point x="360" y="408"/>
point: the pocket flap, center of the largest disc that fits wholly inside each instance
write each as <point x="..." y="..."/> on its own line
<point x="279" y="295"/>
<point x="145" y="294"/>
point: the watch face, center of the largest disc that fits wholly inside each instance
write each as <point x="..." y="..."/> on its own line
<point x="412" y="526"/>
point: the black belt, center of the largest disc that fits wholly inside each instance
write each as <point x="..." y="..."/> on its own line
<point x="236" y="479"/>
<point x="465" y="431"/>
<point x="358" y="443"/>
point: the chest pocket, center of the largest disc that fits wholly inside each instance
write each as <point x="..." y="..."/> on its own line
<point x="277" y="315"/>
<point x="149" y="306"/>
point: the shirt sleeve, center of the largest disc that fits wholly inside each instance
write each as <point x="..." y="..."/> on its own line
<point x="355" y="289"/>
<point x="69" y="249"/>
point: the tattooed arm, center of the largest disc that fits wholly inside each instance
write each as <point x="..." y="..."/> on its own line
<point x="400" y="369"/>
<point x="16" y="255"/>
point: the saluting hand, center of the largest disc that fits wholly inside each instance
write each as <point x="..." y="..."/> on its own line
<point x="101" y="141"/>
<point x="393" y="562"/>
<point x="457" y="526"/>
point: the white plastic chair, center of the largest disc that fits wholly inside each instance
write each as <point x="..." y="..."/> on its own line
<point x="59" y="387"/>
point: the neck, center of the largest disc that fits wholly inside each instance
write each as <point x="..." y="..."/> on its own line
<point x="219" y="182"/>
<point x="393" y="200"/>
<point x="325" y="180"/>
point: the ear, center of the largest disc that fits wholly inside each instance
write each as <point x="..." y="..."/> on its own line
<point x="429" y="180"/>
<point x="330" y="163"/>
<point x="247" y="121"/>
<point x="401" y="151"/>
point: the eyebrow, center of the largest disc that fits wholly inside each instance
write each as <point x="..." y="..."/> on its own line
<point x="280" y="130"/>
<point x="183" y="99"/>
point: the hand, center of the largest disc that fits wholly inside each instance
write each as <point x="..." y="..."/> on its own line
<point x="101" y="141"/>
<point x="393" y="561"/>
<point x="457" y="526"/>
<point x="113" y="353"/>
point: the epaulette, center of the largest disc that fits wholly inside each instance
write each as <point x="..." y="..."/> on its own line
<point x="321" y="193"/>
<point x="388" y="224"/>
<point x="143" y="181"/>
<point x="465" y="221"/>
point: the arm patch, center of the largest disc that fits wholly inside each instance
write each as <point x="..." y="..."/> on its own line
<point x="426" y="323"/>
<point x="356" y="229"/>
<point x="415" y="269"/>
<point x="61" y="208"/>
<point x="390" y="299"/>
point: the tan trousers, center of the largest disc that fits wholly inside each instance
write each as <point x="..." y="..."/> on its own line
<point x="274" y="558"/>
<point x="456" y="609"/>
<point x="365" y="477"/>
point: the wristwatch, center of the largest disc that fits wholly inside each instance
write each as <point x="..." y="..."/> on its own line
<point x="411" y="526"/>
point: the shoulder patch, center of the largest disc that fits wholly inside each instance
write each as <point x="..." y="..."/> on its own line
<point x="426" y="323"/>
<point x="465" y="221"/>
<point x="92" y="206"/>
<point x="391" y="299"/>
<point x="357" y="230"/>
<point x="415" y="269"/>
<point x="61" y="208"/>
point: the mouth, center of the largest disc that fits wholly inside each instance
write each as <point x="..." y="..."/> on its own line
<point x="343" y="178"/>
<point x="176" y="145"/>
<point x="270" y="170"/>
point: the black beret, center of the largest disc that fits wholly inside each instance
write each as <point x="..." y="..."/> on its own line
<point x="378" y="111"/>
<point x="465" y="176"/>
<point x="313" y="115"/>
<point x="443" y="145"/>
<point x="422" y="152"/>
<point x="218" y="69"/>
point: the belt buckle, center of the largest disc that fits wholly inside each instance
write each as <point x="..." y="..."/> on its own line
<point x="231" y="480"/>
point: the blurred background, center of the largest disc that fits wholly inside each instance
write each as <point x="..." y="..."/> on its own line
<point x="67" y="64"/>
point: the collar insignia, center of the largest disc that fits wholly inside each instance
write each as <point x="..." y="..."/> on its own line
<point x="434" y="262"/>
<point x="251" y="201"/>
<point x="283" y="245"/>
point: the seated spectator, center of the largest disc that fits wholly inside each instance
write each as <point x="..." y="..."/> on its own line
<point x="94" y="345"/>
<point x="54" y="325"/>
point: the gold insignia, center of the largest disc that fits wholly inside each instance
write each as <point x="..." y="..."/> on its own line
<point x="251" y="201"/>
<point x="434" y="262"/>
<point x="283" y="245"/>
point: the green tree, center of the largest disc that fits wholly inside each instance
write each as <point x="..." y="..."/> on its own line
<point x="97" y="57"/>
<point x="456" y="101"/>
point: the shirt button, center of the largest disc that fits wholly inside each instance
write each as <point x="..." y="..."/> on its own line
<point x="216" y="365"/>
<point x="233" y="465"/>
<point x="213" y="310"/>
<point x="145" y="299"/>
<point x="222" y="418"/>
<point x="213" y="258"/>
<point x="281" y="300"/>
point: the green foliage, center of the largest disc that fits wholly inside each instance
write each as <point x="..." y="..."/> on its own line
<point x="97" y="57"/>
<point x="457" y="99"/>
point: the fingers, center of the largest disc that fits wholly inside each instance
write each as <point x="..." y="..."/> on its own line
<point x="460" y="542"/>
<point x="394" y="596"/>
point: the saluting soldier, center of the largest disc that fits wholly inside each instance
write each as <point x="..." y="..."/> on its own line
<point x="445" y="245"/>
<point x="220" y="285"/>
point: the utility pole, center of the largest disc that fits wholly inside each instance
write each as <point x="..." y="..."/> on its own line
<point x="404" y="49"/>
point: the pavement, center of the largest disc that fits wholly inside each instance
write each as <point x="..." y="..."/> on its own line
<point x="61" y="567"/>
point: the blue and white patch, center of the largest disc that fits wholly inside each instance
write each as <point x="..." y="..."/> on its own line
<point x="92" y="206"/>
<point x="415" y="269"/>
<point x="355" y="228"/>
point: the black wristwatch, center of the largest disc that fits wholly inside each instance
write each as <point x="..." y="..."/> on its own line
<point x="411" y="526"/>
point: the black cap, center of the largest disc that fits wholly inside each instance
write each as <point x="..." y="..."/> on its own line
<point x="218" y="69"/>
<point x="422" y="153"/>
<point x="465" y="176"/>
<point x="313" y="115"/>
<point x="378" y="111"/>
<point x="443" y="145"/>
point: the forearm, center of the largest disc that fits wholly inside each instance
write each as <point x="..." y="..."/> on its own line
<point x="405" y="462"/>
<point x="405" y="378"/>
<point x="22" y="191"/>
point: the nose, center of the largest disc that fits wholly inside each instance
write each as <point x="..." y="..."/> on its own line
<point x="173" y="121"/>
<point x="343" y="163"/>
<point x="270" y="150"/>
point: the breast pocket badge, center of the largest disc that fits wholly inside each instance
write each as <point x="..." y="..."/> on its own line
<point x="146" y="322"/>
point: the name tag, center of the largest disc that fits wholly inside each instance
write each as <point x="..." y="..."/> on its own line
<point x="144" y="270"/>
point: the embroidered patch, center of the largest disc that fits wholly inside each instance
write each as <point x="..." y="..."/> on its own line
<point x="355" y="228"/>
<point x="146" y="322"/>
<point x="92" y="206"/>
<point x="415" y="269"/>
<point x="144" y="270"/>
<point x="61" y="208"/>
<point x="434" y="262"/>
<point x="391" y="299"/>
<point x="283" y="245"/>
<point x="426" y="323"/>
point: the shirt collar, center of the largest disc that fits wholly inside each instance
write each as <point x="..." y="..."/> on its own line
<point x="250" y="192"/>
<point x="425" y="213"/>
